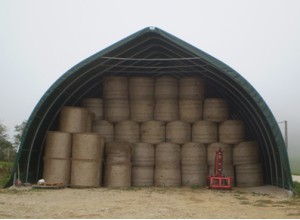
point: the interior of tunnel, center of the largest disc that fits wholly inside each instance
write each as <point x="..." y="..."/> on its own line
<point x="153" y="52"/>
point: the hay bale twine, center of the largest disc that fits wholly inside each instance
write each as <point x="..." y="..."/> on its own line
<point x="58" y="145"/>
<point x="142" y="176"/>
<point x="178" y="132"/>
<point x="116" y="110"/>
<point x="57" y="170"/>
<point x="153" y="132"/>
<point x="215" y="109"/>
<point x="214" y="147"/>
<point x="166" y="110"/>
<point x="245" y="153"/>
<point x="117" y="175"/>
<point x="128" y="131"/>
<point x="249" y="175"/>
<point x="105" y="129"/>
<point x="141" y="110"/>
<point x="194" y="175"/>
<point x="115" y="87"/>
<point x="190" y="110"/>
<point x="143" y="154"/>
<point x="231" y="131"/>
<point x="75" y="119"/>
<point x="193" y="153"/>
<point x="228" y="170"/>
<point x="167" y="155"/>
<point x="118" y="152"/>
<point x="141" y="87"/>
<point x="166" y="87"/>
<point x="205" y="132"/>
<point x="95" y="106"/>
<point x="191" y="88"/>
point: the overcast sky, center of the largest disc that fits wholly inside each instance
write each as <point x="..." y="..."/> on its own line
<point x="41" y="40"/>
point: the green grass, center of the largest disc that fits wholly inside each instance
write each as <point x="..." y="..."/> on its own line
<point x="5" y="172"/>
<point x="297" y="189"/>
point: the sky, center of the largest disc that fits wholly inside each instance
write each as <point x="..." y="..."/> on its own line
<point x="40" y="40"/>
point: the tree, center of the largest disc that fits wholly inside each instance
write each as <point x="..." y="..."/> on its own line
<point x="19" y="129"/>
<point x="5" y="145"/>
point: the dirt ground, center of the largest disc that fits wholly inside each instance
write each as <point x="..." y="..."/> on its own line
<point x="152" y="202"/>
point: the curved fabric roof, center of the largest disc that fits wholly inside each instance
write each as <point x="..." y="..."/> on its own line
<point x="154" y="52"/>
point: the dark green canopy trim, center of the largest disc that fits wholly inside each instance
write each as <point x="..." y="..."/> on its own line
<point x="154" y="52"/>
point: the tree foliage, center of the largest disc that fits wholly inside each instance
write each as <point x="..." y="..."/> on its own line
<point x="8" y="149"/>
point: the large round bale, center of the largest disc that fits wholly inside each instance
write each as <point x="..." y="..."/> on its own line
<point x="215" y="109"/>
<point x="116" y="110"/>
<point x="115" y="87"/>
<point x="58" y="145"/>
<point x="194" y="175"/>
<point x="166" y="110"/>
<point x="57" y="163"/>
<point x="94" y="105"/>
<point x="143" y="154"/>
<point x="153" y="132"/>
<point x="87" y="155"/>
<point x="57" y="170"/>
<point x="245" y="153"/>
<point x="166" y="87"/>
<point x="75" y="119"/>
<point x="193" y="153"/>
<point x="205" y="132"/>
<point x="190" y="110"/>
<point x="141" y="87"/>
<point x="117" y="172"/>
<point x="105" y="129"/>
<point x="232" y="131"/>
<point x="167" y="155"/>
<point x="118" y="152"/>
<point x="167" y="176"/>
<point x="117" y="175"/>
<point x="191" y="88"/>
<point x="178" y="132"/>
<point x="141" y="110"/>
<point x="249" y="175"/>
<point x="128" y="131"/>
<point x="142" y="176"/>
<point x="167" y="165"/>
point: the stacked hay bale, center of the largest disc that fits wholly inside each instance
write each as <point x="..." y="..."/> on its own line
<point x="193" y="158"/>
<point x="248" y="169"/>
<point x="159" y="131"/>
<point x="73" y="150"/>
<point x="143" y="160"/>
<point x="57" y="157"/>
<point x="87" y="155"/>
<point x="117" y="164"/>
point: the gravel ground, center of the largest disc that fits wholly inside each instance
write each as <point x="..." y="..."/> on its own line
<point x="152" y="202"/>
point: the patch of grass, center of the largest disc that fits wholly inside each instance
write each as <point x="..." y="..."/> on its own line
<point x="297" y="189"/>
<point x="5" y="172"/>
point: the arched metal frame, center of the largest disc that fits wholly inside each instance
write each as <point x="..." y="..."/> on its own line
<point x="154" y="52"/>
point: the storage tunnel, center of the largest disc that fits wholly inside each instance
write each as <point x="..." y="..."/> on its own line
<point x="154" y="52"/>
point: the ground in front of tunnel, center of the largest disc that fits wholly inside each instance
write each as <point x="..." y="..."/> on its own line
<point x="148" y="202"/>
